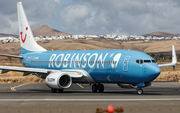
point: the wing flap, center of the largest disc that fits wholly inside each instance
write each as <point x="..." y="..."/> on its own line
<point x="75" y="74"/>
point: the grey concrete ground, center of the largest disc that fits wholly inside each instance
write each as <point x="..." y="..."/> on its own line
<point x="29" y="98"/>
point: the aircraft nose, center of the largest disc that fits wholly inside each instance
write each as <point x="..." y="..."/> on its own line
<point x="154" y="72"/>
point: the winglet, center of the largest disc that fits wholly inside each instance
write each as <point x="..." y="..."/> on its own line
<point x="174" y="59"/>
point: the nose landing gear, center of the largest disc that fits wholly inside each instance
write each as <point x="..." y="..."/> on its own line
<point x="139" y="86"/>
<point x="99" y="87"/>
<point x="139" y="91"/>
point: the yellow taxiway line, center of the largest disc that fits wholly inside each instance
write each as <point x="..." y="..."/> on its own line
<point x="13" y="88"/>
<point x="80" y="85"/>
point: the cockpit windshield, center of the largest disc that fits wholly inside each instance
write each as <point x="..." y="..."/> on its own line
<point x="145" y="61"/>
<point x="153" y="61"/>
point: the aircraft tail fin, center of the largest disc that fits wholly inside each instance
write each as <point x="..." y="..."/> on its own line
<point x="27" y="41"/>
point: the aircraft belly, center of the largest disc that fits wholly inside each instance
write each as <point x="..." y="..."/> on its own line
<point x="79" y="80"/>
<point x="106" y="76"/>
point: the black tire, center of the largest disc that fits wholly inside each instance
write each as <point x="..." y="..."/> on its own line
<point x="101" y="88"/>
<point x="60" y="90"/>
<point x="53" y="90"/>
<point x="94" y="88"/>
<point x="139" y="91"/>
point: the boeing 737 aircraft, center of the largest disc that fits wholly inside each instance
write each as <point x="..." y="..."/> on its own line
<point x="127" y="68"/>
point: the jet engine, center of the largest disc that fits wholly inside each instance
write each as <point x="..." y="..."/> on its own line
<point x="58" y="80"/>
<point x="130" y="86"/>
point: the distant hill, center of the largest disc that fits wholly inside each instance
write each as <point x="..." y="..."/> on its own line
<point x="7" y="35"/>
<point x="44" y="30"/>
<point x="161" y="34"/>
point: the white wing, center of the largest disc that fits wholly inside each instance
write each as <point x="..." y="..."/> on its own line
<point x="27" y="71"/>
<point x="174" y="59"/>
<point x="11" y="56"/>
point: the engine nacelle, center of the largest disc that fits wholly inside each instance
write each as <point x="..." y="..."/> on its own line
<point x="130" y="86"/>
<point x="58" y="80"/>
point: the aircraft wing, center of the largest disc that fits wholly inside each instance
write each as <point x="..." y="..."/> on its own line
<point x="27" y="71"/>
<point x="11" y="56"/>
<point x="174" y="59"/>
<point x="6" y="69"/>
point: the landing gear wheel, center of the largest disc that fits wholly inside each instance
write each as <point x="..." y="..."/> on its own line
<point x="101" y="88"/>
<point x="139" y="91"/>
<point x="60" y="90"/>
<point x="53" y="90"/>
<point x="94" y="88"/>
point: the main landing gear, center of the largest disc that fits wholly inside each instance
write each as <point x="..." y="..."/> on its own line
<point x="139" y="91"/>
<point x="99" y="87"/>
<point x="56" y="90"/>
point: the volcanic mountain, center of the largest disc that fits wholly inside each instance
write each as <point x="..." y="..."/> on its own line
<point x="44" y="30"/>
<point x="7" y="35"/>
<point x="161" y="34"/>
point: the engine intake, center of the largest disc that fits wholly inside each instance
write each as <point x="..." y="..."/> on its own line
<point x="58" y="80"/>
<point x="65" y="81"/>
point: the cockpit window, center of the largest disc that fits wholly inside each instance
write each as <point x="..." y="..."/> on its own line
<point x="139" y="61"/>
<point x="147" y="61"/>
<point x="153" y="61"/>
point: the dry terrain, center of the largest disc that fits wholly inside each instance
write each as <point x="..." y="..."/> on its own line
<point x="167" y="74"/>
<point x="72" y="44"/>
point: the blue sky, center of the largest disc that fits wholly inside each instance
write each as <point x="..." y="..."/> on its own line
<point x="131" y="17"/>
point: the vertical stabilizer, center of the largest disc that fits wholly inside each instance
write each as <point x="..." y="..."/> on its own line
<point x="28" y="44"/>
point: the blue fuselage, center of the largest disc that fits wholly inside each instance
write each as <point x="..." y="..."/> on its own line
<point x="104" y="66"/>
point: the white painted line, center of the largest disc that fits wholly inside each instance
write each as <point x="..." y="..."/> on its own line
<point x="13" y="88"/>
<point x="93" y="100"/>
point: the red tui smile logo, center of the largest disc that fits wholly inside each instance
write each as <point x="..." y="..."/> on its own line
<point x="23" y="40"/>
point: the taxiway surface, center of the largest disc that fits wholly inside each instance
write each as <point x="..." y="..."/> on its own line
<point x="37" y="97"/>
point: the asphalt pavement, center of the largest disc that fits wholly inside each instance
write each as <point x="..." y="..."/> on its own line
<point x="37" y="97"/>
